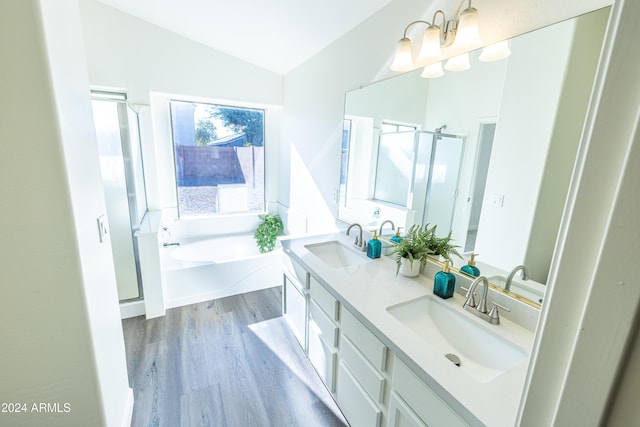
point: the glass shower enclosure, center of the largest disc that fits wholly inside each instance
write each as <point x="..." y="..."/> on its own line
<point x="118" y="137"/>
<point x="420" y="170"/>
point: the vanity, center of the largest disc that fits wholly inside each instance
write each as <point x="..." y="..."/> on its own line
<point x="379" y="341"/>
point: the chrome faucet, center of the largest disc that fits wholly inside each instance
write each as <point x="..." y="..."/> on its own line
<point x="471" y="302"/>
<point x="525" y="276"/>
<point x="492" y="316"/>
<point x="358" y="243"/>
<point x="393" y="227"/>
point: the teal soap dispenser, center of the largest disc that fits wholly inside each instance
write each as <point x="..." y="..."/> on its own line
<point x="444" y="283"/>
<point x="374" y="247"/>
<point x="471" y="268"/>
<point x="396" y="238"/>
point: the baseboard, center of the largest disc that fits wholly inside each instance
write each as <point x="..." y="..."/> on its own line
<point x="127" y="416"/>
<point x="132" y="309"/>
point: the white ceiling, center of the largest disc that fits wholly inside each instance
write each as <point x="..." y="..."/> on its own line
<point x="277" y="35"/>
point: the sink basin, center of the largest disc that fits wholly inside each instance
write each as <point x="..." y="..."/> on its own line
<point x="336" y="255"/>
<point x="484" y="354"/>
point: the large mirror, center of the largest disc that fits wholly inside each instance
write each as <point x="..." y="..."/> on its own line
<point x="486" y="153"/>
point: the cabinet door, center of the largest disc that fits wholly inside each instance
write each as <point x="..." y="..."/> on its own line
<point x="323" y="357"/>
<point x="294" y="307"/>
<point x="401" y="415"/>
<point x="295" y="271"/>
<point x="422" y="399"/>
<point x="356" y="405"/>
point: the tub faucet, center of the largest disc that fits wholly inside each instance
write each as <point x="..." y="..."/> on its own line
<point x="393" y="227"/>
<point x="492" y="316"/>
<point x="358" y="243"/>
<point x="525" y="276"/>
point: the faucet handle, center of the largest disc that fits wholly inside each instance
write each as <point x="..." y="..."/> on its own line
<point x="494" y="315"/>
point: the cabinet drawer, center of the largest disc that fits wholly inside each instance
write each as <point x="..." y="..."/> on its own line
<point x="295" y="270"/>
<point x="354" y="402"/>
<point x="327" y="328"/>
<point x="294" y="306"/>
<point x="364" y="340"/>
<point x="368" y="376"/>
<point x="401" y="415"/>
<point x="324" y="299"/>
<point x="424" y="401"/>
<point x="323" y="357"/>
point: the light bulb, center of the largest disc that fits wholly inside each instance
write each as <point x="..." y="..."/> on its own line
<point x="430" y="49"/>
<point x="495" y="52"/>
<point x="432" y="71"/>
<point x="403" y="60"/>
<point x="467" y="33"/>
<point x="458" y="63"/>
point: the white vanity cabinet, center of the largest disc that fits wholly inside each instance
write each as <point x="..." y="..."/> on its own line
<point x="361" y="373"/>
<point x="413" y="403"/>
<point x="323" y="333"/>
<point x="295" y="289"/>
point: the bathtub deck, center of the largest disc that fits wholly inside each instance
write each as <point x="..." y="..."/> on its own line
<point x="190" y="283"/>
<point x="227" y="362"/>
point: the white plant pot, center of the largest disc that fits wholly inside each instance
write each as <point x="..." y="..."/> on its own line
<point x="409" y="270"/>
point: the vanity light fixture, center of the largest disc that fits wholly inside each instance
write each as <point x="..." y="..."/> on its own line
<point x="432" y="71"/>
<point x="458" y="63"/>
<point x="462" y="32"/>
<point x="495" y="52"/>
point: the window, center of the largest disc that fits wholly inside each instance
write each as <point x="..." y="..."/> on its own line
<point x="397" y="127"/>
<point x="219" y="158"/>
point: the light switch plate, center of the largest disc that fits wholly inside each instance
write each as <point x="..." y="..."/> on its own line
<point x="497" y="200"/>
<point x="103" y="230"/>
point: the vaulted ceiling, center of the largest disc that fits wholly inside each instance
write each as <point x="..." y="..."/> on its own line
<point x="277" y="35"/>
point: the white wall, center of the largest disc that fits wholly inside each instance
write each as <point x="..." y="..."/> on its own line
<point x="565" y="138"/>
<point x="314" y="107"/>
<point x="532" y="89"/>
<point x="399" y="100"/>
<point x="62" y="336"/>
<point x="152" y="64"/>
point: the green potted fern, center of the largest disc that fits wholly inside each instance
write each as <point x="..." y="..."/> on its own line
<point x="442" y="246"/>
<point x="419" y="243"/>
<point x="268" y="231"/>
<point x="412" y="250"/>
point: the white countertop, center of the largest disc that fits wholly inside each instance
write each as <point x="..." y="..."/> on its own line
<point x="368" y="289"/>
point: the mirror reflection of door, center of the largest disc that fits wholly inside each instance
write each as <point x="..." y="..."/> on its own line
<point x="485" y="143"/>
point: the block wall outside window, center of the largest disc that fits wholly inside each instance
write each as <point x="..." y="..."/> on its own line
<point x="219" y="158"/>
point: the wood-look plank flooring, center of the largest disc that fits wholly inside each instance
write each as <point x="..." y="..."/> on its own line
<point x="227" y="362"/>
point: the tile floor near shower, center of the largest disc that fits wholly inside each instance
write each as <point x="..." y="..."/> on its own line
<point x="227" y="362"/>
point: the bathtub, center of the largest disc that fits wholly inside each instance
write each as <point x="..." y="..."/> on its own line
<point x="203" y="269"/>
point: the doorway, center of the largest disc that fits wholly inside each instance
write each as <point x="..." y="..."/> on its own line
<point x="485" y="144"/>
